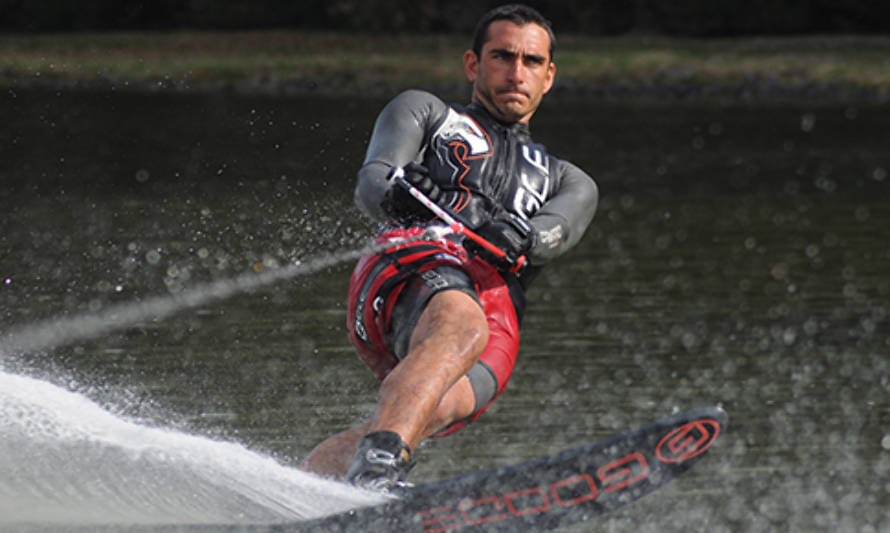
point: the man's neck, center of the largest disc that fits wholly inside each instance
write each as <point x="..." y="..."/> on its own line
<point x="516" y="126"/>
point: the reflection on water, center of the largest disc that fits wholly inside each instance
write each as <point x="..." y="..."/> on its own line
<point x="739" y="257"/>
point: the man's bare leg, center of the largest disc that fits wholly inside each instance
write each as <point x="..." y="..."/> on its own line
<point x="332" y="457"/>
<point x="446" y="343"/>
<point x="426" y="394"/>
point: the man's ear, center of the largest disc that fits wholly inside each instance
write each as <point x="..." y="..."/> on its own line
<point x="471" y="65"/>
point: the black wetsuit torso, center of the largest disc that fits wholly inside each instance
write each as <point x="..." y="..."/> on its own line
<point x="483" y="167"/>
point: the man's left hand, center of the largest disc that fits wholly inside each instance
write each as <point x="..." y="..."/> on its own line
<point x="513" y="235"/>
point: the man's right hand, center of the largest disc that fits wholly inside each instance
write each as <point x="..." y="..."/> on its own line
<point x="398" y="202"/>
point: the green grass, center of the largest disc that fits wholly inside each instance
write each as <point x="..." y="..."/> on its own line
<point x="353" y="63"/>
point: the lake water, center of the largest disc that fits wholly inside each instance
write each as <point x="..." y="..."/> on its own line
<point x="739" y="257"/>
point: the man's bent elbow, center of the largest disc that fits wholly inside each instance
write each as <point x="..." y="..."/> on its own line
<point x="371" y="188"/>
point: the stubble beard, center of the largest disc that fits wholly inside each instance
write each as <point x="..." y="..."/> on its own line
<point x="509" y="111"/>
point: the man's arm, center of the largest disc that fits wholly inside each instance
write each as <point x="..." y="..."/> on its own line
<point x="397" y="139"/>
<point x="562" y="221"/>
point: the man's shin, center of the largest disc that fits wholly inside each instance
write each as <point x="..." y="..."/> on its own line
<point x="332" y="457"/>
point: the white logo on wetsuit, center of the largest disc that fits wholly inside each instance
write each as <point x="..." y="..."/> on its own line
<point x="532" y="193"/>
<point x="459" y="126"/>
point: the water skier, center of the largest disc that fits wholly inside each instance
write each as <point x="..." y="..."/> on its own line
<point x="437" y="320"/>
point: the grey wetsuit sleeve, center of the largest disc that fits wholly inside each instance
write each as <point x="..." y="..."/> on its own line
<point x="398" y="138"/>
<point x="563" y="219"/>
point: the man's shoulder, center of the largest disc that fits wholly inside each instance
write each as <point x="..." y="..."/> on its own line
<point x="419" y="98"/>
<point x="420" y="108"/>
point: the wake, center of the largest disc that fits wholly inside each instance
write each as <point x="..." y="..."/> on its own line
<point x="66" y="460"/>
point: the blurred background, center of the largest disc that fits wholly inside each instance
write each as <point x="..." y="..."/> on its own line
<point x="592" y="17"/>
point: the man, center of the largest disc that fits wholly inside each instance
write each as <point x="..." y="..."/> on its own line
<point x="438" y="319"/>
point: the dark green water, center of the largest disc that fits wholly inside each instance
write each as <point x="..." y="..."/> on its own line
<point x="739" y="257"/>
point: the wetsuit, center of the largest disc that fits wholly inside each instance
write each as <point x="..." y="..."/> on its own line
<point x="483" y="168"/>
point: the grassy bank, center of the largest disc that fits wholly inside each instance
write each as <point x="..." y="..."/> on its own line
<point x="290" y="61"/>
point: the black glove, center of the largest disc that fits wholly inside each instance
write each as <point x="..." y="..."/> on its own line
<point x="511" y="234"/>
<point x="398" y="202"/>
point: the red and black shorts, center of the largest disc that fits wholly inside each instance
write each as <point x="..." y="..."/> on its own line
<point x="389" y="291"/>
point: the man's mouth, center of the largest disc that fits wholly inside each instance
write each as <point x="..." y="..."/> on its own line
<point x="512" y="92"/>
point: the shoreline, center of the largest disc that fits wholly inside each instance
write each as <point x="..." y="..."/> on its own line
<point x="840" y="68"/>
<point x="754" y="91"/>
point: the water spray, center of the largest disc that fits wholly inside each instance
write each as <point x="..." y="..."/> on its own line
<point x="57" y="332"/>
<point x="61" y="331"/>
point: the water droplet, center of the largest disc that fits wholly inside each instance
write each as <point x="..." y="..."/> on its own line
<point x="812" y="251"/>
<point x="627" y="202"/>
<point x="807" y="122"/>
<point x="779" y="271"/>
<point x="826" y="184"/>
<point x="789" y="336"/>
<point x="862" y="213"/>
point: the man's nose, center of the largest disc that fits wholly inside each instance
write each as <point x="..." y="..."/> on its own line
<point x="517" y="70"/>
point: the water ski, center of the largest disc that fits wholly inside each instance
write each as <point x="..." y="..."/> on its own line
<point x="569" y="487"/>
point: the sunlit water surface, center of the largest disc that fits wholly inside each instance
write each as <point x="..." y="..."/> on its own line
<point x="739" y="256"/>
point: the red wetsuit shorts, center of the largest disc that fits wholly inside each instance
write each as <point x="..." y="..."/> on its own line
<point x="390" y="289"/>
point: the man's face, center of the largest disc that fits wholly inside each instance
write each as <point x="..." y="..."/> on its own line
<point x="513" y="71"/>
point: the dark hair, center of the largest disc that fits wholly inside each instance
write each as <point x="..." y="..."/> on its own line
<point x="516" y="13"/>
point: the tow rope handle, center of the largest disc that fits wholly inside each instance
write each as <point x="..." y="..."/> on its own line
<point x="398" y="175"/>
